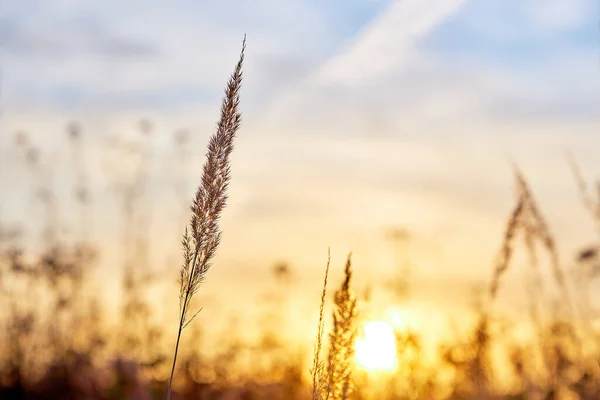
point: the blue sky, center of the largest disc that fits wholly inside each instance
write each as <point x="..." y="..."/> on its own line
<point x="98" y="54"/>
<point x="406" y="109"/>
<point x="171" y="55"/>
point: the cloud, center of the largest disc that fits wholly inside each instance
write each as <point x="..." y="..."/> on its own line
<point x="385" y="44"/>
<point x="482" y="61"/>
<point x="64" y="40"/>
<point x="138" y="51"/>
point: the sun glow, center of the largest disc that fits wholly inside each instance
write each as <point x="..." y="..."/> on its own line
<point x="403" y="319"/>
<point x="376" y="349"/>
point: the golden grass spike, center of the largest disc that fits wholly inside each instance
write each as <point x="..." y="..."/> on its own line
<point x="200" y="245"/>
<point x="542" y="231"/>
<point x="341" y="340"/>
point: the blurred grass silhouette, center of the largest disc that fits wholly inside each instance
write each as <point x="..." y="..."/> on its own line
<point x="57" y="342"/>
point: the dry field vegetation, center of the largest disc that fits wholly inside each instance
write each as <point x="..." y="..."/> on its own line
<point x="62" y="347"/>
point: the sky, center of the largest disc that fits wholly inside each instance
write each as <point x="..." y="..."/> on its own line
<point x="359" y="116"/>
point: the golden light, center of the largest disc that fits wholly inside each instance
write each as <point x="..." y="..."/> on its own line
<point x="376" y="349"/>
<point x="403" y="319"/>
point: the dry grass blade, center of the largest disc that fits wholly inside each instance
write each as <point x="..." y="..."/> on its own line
<point x="534" y="282"/>
<point x="341" y="340"/>
<point x="507" y="247"/>
<point x="318" y="368"/>
<point x="581" y="184"/>
<point x="200" y="245"/>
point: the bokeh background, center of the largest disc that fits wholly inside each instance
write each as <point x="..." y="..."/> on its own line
<point x="385" y="128"/>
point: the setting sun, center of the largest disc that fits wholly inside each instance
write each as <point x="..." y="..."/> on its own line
<point x="376" y="349"/>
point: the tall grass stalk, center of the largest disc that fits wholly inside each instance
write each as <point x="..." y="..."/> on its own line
<point x="507" y="249"/>
<point x="318" y="368"/>
<point x="201" y="240"/>
<point x="333" y="381"/>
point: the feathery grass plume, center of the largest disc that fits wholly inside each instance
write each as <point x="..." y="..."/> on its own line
<point x="200" y="245"/>
<point x="544" y="235"/>
<point x="507" y="246"/>
<point x="318" y="370"/>
<point x="341" y="340"/>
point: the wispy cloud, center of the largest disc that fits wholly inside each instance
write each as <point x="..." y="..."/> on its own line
<point x="66" y="40"/>
<point x="101" y="51"/>
<point x="386" y="44"/>
<point x="452" y="61"/>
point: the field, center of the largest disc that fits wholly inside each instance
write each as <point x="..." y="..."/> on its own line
<point x="118" y="279"/>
